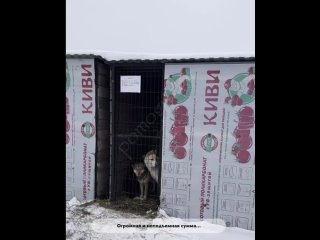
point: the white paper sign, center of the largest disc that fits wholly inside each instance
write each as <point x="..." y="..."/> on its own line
<point x="130" y="84"/>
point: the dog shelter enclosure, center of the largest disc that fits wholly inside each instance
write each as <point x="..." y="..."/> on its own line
<point x="198" y="114"/>
<point x="137" y="123"/>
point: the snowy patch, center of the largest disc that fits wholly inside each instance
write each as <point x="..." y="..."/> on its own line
<point x="94" y="222"/>
<point x="73" y="202"/>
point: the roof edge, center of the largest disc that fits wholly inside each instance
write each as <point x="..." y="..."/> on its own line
<point x="165" y="60"/>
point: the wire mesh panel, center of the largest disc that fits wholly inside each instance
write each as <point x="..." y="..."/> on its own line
<point x="137" y="127"/>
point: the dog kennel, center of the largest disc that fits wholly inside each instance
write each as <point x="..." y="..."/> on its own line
<point x="131" y="120"/>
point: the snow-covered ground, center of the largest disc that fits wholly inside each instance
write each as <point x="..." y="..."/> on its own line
<point x="91" y="221"/>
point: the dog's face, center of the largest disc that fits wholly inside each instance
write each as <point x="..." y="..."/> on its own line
<point x="138" y="169"/>
<point x="151" y="158"/>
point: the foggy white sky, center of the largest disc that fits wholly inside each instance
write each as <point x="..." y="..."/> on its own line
<point x="201" y="28"/>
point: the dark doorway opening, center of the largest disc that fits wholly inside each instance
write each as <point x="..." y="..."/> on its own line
<point x="137" y="127"/>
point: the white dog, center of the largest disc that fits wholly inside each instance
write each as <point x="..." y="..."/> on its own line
<point x="152" y="163"/>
